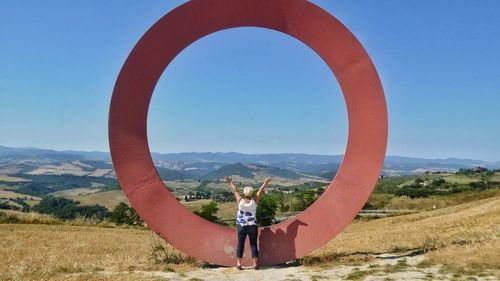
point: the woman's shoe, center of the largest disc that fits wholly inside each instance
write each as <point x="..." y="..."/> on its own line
<point x="256" y="267"/>
<point x="238" y="267"/>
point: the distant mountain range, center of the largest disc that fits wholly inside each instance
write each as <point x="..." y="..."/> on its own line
<point x="213" y="165"/>
<point x="249" y="171"/>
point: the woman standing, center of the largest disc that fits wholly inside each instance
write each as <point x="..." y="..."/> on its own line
<point x="246" y="219"/>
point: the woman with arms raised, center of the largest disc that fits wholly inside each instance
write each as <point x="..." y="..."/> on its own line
<point x="246" y="219"/>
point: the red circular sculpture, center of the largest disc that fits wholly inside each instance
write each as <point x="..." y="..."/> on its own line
<point x="348" y="191"/>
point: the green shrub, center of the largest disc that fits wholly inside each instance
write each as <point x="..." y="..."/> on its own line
<point x="266" y="211"/>
<point x="208" y="212"/>
<point x="123" y="214"/>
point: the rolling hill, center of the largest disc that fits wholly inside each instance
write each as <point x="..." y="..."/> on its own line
<point x="196" y="165"/>
<point x="249" y="171"/>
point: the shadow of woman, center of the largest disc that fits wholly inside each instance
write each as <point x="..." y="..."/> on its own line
<point x="278" y="243"/>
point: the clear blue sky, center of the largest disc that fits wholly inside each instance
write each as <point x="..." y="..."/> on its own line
<point x="253" y="90"/>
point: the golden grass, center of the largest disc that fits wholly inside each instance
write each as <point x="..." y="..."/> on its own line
<point x="195" y="205"/>
<point x="447" y="231"/>
<point x="461" y="235"/>
<point x="18" y="217"/>
<point x="461" y="179"/>
<point x="477" y="254"/>
<point x="74" y="192"/>
<point x="406" y="203"/>
<point x="12" y="194"/>
<point x="108" y="199"/>
<point x="31" y="218"/>
<point x="59" y="252"/>
<point x="226" y="209"/>
<point x="8" y="178"/>
<point x="496" y="177"/>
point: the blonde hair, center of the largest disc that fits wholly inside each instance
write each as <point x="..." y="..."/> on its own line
<point x="248" y="191"/>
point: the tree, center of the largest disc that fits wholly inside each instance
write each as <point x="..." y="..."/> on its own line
<point x="94" y="211"/>
<point x="478" y="185"/>
<point x="438" y="182"/>
<point x="320" y="191"/>
<point x="266" y="210"/>
<point x="135" y="219"/>
<point x="279" y="198"/>
<point x="69" y="209"/>
<point x="123" y="214"/>
<point x="58" y="206"/>
<point x="303" y="200"/>
<point x="208" y="212"/>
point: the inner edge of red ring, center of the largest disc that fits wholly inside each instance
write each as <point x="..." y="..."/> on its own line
<point x="331" y="184"/>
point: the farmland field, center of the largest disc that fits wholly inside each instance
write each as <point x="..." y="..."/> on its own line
<point x="8" y="178"/>
<point x="108" y="199"/>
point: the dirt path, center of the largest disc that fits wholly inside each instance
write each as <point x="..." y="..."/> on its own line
<point x="384" y="267"/>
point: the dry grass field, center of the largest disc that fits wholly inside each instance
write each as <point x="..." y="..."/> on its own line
<point x="67" y="193"/>
<point x="461" y="179"/>
<point x="12" y="179"/>
<point x="66" y="168"/>
<point x="108" y="199"/>
<point x="443" y="233"/>
<point x="11" y="194"/>
<point x="457" y="178"/>
<point x="463" y="239"/>
<point x="496" y="177"/>
<point x="428" y="203"/>
<point x="226" y="209"/>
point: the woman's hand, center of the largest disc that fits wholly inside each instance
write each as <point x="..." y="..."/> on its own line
<point x="268" y="180"/>
<point x="229" y="179"/>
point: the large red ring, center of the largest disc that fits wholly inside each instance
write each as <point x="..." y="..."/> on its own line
<point x="348" y="191"/>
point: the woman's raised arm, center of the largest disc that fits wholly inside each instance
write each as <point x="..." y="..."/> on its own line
<point x="261" y="189"/>
<point x="234" y="189"/>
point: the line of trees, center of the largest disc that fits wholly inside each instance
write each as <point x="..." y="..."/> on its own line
<point x="67" y="209"/>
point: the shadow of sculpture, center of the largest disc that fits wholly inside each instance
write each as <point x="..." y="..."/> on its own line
<point x="280" y="242"/>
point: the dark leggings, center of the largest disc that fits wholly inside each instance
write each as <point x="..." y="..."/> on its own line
<point x="251" y="231"/>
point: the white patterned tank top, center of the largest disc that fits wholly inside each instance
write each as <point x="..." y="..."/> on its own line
<point x="246" y="213"/>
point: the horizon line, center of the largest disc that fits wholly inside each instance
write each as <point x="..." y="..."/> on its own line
<point x="245" y="153"/>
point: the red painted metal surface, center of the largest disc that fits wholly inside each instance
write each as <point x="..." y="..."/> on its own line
<point x="348" y="191"/>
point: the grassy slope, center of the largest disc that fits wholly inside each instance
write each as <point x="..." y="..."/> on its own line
<point x="61" y="252"/>
<point x="226" y="209"/>
<point x="8" y="178"/>
<point x="389" y="201"/>
<point x="472" y="227"/>
<point x="37" y="252"/>
<point x="108" y="199"/>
